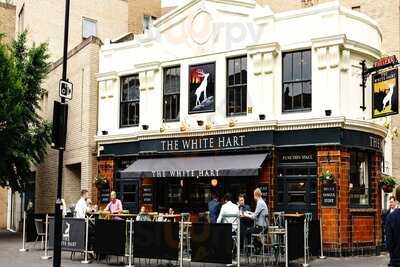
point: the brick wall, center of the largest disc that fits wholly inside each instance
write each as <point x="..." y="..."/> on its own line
<point x="7" y="21"/>
<point x="82" y="124"/>
<point x="267" y="178"/>
<point x="137" y="9"/>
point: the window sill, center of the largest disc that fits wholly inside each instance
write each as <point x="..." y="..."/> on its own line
<point x="230" y="115"/>
<point x="168" y="121"/>
<point x="296" y="110"/>
<point x="362" y="209"/>
<point x="129" y="126"/>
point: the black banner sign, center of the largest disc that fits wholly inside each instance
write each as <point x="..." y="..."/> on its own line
<point x="110" y="237"/>
<point x="211" y="243"/>
<point x="73" y="234"/>
<point x="105" y="194"/>
<point x="385" y="93"/>
<point x="156" y="240"/>
<point x="329" y="195"/>
<point x="202" y="88"/>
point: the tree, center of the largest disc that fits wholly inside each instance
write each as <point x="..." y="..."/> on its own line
<point x="24" y="135"/>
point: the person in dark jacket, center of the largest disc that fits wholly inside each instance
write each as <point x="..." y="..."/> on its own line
<point x="393" y="234"/>
<point x="214" y="207"/>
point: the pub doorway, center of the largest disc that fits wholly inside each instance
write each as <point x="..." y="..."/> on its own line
<point x="297" y="182"/>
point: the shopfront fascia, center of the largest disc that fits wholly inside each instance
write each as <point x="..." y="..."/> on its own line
<point x="181" y="172"/>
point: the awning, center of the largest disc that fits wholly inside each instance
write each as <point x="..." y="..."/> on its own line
<point x="207" y="166"/>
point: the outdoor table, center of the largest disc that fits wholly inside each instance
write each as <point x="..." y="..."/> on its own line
<point x="171" y="217"/>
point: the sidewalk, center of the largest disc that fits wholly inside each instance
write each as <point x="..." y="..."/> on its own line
<point x="11" y="257"/>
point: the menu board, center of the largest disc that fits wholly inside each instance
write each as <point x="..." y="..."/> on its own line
<point x="147" y="194"/>
<point x="329" y="195"/>
<point x="264" y="192"/>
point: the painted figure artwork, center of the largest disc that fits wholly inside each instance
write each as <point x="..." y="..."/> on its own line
<point x="202" y="88"/>
<point x="385" y="93"/>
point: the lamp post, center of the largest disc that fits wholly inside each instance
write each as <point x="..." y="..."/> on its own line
<point x="58" y="212"/>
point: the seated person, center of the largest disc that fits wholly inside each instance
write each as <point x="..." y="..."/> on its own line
<point x="171" y="211"/>
<point x="228" y="211"/>
<point x="115" y="205"/>
<point x="142" y="216"/>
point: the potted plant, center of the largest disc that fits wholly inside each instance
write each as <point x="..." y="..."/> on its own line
<point x="100" y="181"/>
<point x="327" y="177"/>
<point x="388" y="183"/>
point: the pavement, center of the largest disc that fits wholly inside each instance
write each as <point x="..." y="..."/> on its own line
<point x="10" y="256"/>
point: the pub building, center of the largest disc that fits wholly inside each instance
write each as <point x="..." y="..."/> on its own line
<point x="228" y="96"/>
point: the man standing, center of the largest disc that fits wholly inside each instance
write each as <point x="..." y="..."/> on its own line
<point x="259" y="216"/>
<point x="214" y="207"/>
<point x="81" y="207"/>
<point x="393" y="234"/>
<point x="228" y="210"/>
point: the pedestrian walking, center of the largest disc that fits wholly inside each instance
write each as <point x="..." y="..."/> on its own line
<point x="392" y="229"/>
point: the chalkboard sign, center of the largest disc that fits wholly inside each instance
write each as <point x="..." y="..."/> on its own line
<point x="329" y="195"/>
<point x="105" y="194"/>
<point x="147" y="194"/>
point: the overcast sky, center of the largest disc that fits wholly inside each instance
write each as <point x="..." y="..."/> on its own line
<point x="172" y="2"/>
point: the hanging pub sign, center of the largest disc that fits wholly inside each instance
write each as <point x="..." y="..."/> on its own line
<point x="385" y="61"/>
<point x="385" y="93"/>
<point x="202" y="88"/>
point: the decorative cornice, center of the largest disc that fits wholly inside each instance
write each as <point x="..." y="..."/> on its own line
<point x="289" y="125"/>
<point x="111" y="75"/>
<point x="263" y="48"/>
<point x="148" y="66"/>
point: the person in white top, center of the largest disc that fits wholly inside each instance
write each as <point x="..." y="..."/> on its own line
<point x="81" y="206"/>
<point x="228" y="211"/>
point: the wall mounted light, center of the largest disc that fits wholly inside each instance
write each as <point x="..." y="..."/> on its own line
<point x="104" y="132"/>
<point x="214" y="182"/>
<point x="262" y="117"/>
<point x="328" y="112"/>
<point x="200" y="123"/>
<point x="145" y="127"/>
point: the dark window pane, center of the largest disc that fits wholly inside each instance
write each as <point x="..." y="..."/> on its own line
<point x="297" y="91"/>
<point x="171" y="93"/>
<point x="287" y="96"/>
<point x="237" y="71"/>
<point x="244" y="70"/>
<point x="297" y="66"/>
<point x="130" y="97"/>
<point x="231" y="71"/>
<point x="307" y="94"/>
<point x="287" y="67"/>
<point x="244" y="99"/>
<point x="306" y="68"/>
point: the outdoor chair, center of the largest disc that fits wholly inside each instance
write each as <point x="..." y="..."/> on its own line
<point x="266" y="246"/>
<point x="40" y="232"/>
<point x="185" y="217"/>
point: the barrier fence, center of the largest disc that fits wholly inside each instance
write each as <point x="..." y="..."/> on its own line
<point x="177" y="241"/>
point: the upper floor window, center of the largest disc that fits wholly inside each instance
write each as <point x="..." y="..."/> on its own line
<point x="359" y="179"/>
<point x="21" y="16"/>
<point x="89" y="27"/>
<point x="171" y="88"/>
<point x="296" y="81"/>
<point x="236" y="90"/>
<point x="130" y="99"/>
<point x="148" y="22"/>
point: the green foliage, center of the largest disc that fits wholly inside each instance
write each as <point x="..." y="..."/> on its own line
<point x="24" y="136"/>
<point x="388" y="180"/>
<point x="327" y="177"/>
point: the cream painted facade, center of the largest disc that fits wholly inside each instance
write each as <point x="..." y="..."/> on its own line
<point x="338" y="37"/>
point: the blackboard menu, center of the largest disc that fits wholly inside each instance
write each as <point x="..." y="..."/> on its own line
<point x="147" y="194"/>
<point x="329" y="195"/>
<point x="105" y="194"/>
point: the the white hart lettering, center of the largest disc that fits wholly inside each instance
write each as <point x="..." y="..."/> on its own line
<point x="186" y="173"/>
<point x="203" y="143"/>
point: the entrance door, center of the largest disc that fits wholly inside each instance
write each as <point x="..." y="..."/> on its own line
<point x="297" y="188"/>
<point x="128" y="192"/>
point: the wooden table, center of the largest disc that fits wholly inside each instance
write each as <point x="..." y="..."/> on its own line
<point x="170" y="217"/>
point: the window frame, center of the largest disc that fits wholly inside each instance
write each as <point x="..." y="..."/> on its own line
<point x="21" y="19"/>
<point x="369" y="171"/>
<point x="83" y="26"/>
<point x="136" y="101"/>
<point x="170" y="94"/>
<point x="236" y="86"/>
<point x="301" y="81"/>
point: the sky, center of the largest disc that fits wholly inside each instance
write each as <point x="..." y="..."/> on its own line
<point x="172" y="2"/>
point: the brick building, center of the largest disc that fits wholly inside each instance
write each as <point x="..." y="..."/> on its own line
<point x="191" y="108"/>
